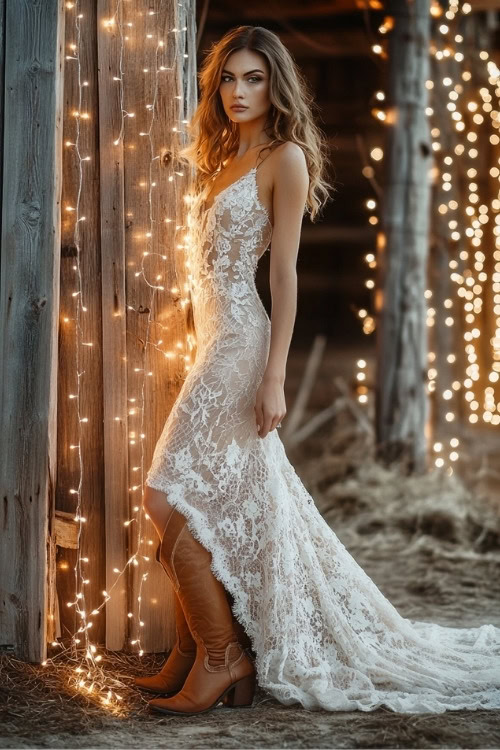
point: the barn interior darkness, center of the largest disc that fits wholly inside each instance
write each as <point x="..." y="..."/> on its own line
<point x="331" y="43"/>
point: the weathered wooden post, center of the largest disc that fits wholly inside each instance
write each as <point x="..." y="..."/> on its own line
<point x="29" y="314"/>
<point x="401" y="402"/>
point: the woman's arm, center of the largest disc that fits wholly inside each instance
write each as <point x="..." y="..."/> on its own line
<point x="290" y="186"/>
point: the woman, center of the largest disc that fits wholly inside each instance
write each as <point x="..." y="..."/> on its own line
<point x="264" y="588"/>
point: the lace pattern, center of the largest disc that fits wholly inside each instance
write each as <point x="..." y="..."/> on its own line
<point x="323" y="633"/>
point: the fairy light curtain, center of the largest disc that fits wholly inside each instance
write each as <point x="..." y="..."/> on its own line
<point x="463" y="294"/>
<point x="125" y="342"/>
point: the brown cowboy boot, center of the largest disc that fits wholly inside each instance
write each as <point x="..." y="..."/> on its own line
<point x="172" y="676"/>
<point x="222" y="669"/>
<point x="181" y="658"/>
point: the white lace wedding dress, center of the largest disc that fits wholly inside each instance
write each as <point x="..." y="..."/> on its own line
<point x="323" y="633"/>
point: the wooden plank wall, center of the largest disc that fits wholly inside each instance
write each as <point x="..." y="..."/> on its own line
<point x="154" y="190"/>
<point x="33" y="38"/>
<point x="114" y="344"/>
<point x="128" y="385"/>
<point x="81" y="468"/>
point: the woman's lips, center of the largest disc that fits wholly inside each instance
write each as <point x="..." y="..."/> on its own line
<point x="238" y="106"/>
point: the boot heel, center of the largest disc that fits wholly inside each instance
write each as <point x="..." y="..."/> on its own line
<point x="242" y="693"/>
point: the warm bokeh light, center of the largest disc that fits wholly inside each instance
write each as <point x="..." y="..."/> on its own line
<point x="471" y="221"/>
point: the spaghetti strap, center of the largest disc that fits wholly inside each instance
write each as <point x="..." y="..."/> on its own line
<point x="263" y="160"/>
<point x="269" y="154"/>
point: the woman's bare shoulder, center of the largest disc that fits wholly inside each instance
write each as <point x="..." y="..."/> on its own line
<point x="289" y="161"/>
<point x="290" y="149"/>
<point x="290" y="157"/>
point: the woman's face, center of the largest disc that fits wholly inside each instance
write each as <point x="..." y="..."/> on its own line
<point x="245" y="81"/>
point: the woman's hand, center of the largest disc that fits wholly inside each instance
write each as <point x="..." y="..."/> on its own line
<point x="270" y="407"/>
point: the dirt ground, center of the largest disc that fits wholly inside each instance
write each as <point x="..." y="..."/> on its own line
<point x="446" y="589"/>
<point x="431" y="544"/>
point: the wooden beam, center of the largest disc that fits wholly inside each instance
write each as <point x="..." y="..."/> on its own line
<point x="401" y="407"/>
<point x="81" y="467"/>
<point x="29" y="316"/>
<point x="66" y="530"/>
<point x="114" y="344"/>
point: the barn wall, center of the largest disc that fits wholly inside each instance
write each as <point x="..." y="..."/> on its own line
<point x="33" y="40"/>
<point x="130" y="185"/>
<point x="85" y="383"/>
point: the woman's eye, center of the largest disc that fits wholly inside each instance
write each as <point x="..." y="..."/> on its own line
<point x="255" y="78"/>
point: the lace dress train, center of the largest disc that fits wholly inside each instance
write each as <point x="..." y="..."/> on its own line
<point x="323" y="633"/>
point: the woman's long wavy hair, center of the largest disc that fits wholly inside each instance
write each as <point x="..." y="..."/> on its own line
<point x="216" y="137"/>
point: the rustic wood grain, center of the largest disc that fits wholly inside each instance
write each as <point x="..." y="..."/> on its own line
<point x="29" y="314"/>
<point x="80" y="341"/>
<point x="136" y="316"/>
<point x="114" y="346"/>
<point x="401" y="401"/>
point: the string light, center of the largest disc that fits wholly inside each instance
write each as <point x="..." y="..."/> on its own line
<point x="89" y="677"/>
<point x="474" y="276"/>
<point x="467" y="270"/>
